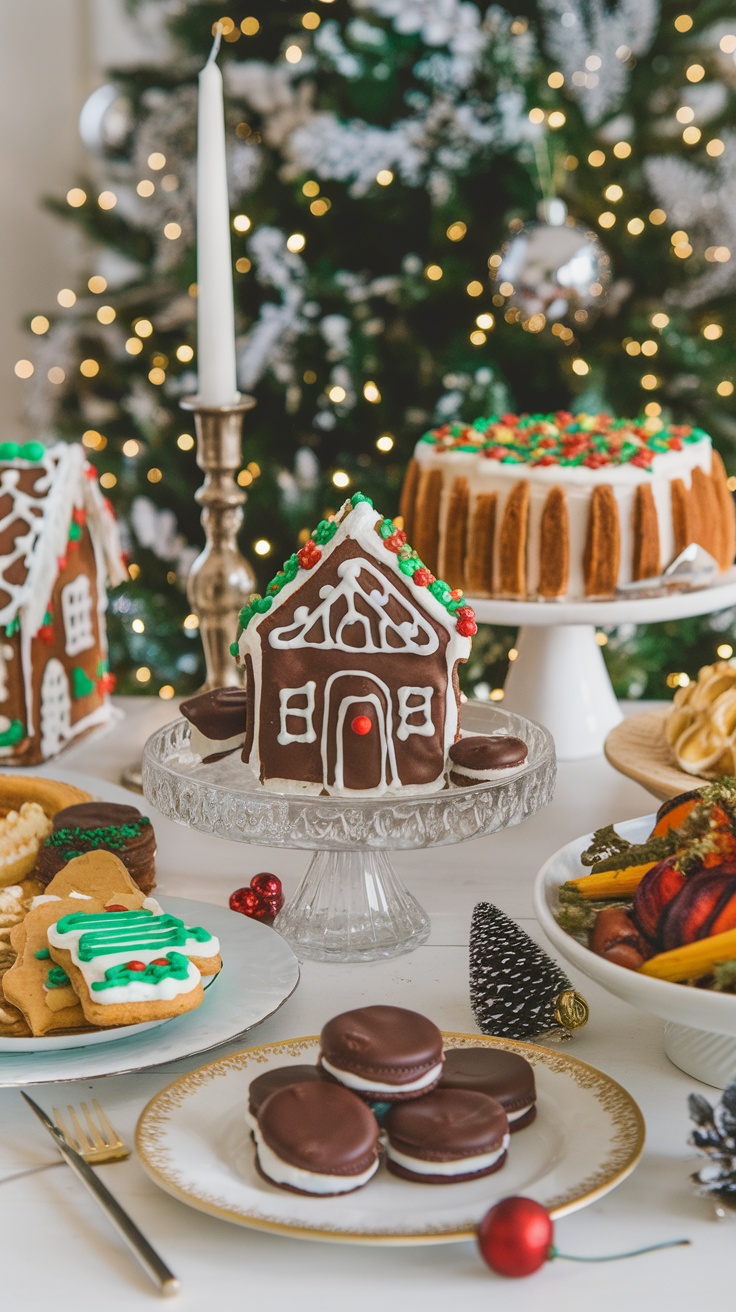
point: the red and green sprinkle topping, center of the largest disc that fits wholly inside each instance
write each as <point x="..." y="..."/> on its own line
<point x="566" y="440"/>
<point x="394" y="540"/>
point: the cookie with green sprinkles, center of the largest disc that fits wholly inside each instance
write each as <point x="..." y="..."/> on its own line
<point x="100" y="826"/>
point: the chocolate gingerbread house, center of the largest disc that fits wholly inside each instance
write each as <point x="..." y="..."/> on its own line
<point x="58" y="548"/>
<point x="350" y="663"/>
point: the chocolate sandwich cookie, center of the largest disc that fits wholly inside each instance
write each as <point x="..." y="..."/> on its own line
<point x="280" y="1077"/>
<point x="316" y="1138"/>
<point x="505" y="1076"/>
<point x="383" y="1053"/>
<point x="485" y="757"/>
<point x="217" y="718"/>
<point x="451" y="1135"/>
<point x="100" y="826"/>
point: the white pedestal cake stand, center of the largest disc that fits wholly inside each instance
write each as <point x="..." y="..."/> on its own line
<point x="351" y="904"/>
<point x="559" y="677"/>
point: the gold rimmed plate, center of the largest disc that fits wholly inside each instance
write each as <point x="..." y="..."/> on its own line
<point x="193" y="1141"/>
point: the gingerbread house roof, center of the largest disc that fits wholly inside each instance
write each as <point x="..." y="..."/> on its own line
<point x="363" y="609"/>
<point x="44" y="492"/>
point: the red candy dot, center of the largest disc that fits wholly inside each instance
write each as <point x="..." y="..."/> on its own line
<point x="362" y="724"/>
<point x="135" y="965"/>
<point x="161" y="961"/>
<point x="422" y="578"/>
<point x="396" y="540"/>
<point x="466" y="627"/>
<point x="309" y="554"/>
<point x="115" y="906"/>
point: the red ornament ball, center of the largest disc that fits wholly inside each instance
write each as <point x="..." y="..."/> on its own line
<point x="362" y="724"/>
<point x="515" y="1237"/>
<point x="269" y="886"/>
<point x="249" y="902"/>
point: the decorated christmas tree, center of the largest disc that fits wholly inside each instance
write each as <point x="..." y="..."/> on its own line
<point x="386" y="160"/>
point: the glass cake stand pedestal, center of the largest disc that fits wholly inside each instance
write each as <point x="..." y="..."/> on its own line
<point x="560" y="678"/>
<point x="351" y="904"/>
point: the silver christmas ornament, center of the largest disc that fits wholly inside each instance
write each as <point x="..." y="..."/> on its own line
<point x="106" y="122"/>
<point x="554" y="271"/>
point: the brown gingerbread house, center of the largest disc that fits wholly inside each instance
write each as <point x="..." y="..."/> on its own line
<point x="350" y="663"/>
<point x="58" y="548"/>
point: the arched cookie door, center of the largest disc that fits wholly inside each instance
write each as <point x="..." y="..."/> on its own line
<point x="56" y="708"/>
<point x="357" y="746"/>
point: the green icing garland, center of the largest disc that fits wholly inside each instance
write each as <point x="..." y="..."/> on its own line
<point x="176" y="967"/>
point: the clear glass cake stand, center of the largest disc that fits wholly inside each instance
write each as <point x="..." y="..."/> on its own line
<point x="351" y="904"/>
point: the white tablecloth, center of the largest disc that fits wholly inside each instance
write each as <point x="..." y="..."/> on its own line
<point x="60" y="1253"/>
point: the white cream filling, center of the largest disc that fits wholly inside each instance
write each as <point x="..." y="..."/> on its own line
<point x="312" y="1182"/>
<point x="460" y="1165"/>
<point x="488" y="773"/>
<point x="201" y="745"/>
<point x="516" y="1116"/>
<point x="373" y="1086"/>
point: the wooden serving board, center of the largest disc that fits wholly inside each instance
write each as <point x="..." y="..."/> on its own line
<point x="638" y="748"/>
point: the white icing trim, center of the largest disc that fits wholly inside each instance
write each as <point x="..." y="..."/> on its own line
<point x="304" y="713"/>
<point x="426" y="729"/>
<point x="352" y="1081"/>
<point x="383" y="716"/>
<point x="76" y="610"/>
<point x="412" y="635"/>
<point x="311" y="1182"/>
<point x="56" y="708"/>
<point x="459" y="1166"/>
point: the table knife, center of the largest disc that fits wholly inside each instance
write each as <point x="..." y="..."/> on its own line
<point x="147" y="1256"/>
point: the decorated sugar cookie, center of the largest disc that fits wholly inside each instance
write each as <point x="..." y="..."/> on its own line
<point x="131" y="966"/>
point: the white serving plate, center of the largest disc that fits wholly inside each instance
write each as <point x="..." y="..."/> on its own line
<point x="259" y="973"/>
<point x="700" y="1037"/>
<point x="193" y="1141"/>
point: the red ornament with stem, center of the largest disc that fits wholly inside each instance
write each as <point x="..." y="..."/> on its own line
<point x="515" y="1239"/>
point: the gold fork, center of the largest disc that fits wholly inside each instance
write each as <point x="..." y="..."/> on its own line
<point x="99" y="1142"/>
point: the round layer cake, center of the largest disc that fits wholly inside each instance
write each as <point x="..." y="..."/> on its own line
<point x="563" y="506"/>
<point x="101" y="826"/>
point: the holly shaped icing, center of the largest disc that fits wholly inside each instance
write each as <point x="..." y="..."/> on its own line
<point x="174" y="966"/>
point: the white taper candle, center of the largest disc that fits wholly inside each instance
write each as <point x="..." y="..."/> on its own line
<point x="217" y="382"/>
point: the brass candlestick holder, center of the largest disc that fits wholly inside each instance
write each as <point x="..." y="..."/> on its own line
<point x="220" y="581"/>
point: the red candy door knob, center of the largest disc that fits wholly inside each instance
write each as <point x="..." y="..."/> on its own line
<point x="361" y="725"/>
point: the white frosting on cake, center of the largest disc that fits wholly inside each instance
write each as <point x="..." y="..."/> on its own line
<point x="486" y="475"/>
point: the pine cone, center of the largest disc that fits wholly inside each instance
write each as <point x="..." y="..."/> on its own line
<point x="516" y="990"/>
